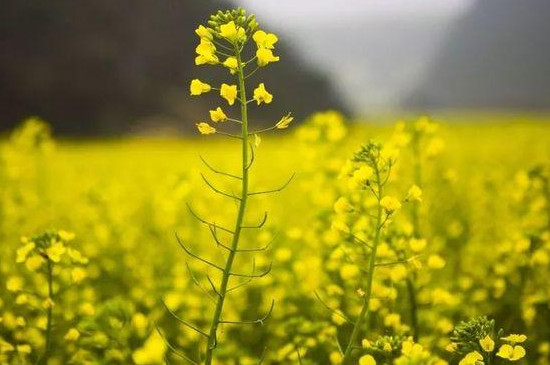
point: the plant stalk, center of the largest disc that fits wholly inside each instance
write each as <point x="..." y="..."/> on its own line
<point x="212" y="334"/>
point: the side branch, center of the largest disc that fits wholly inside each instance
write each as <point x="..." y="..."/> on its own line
<point x="216" y="171"/>
<point x="274" y="190"/>
<point x="256" y="321"/>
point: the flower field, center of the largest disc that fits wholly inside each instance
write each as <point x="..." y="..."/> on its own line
<point x="421" y="242"/>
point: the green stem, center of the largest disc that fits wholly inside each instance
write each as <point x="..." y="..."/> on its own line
<point x="49" y="324"/>
<point x="212" y="334"/>
<point x="364" y="314"/>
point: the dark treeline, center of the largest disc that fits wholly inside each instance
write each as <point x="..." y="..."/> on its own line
<point x="100" y="67"/>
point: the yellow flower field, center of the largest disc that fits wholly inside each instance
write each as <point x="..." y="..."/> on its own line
<point x="424" y="241"/>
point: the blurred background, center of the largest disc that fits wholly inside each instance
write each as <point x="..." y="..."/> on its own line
<point x="116" y="67"/>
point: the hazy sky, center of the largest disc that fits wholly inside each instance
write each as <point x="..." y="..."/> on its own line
<point x="322" y="10"/>
<point x="374" y="51"/>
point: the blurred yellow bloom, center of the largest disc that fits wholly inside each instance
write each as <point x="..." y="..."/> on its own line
<point x="265" y="40"/>
<point x="152" y="352"/>
<point x="487" y="344"/>
<point x="218" y="115"/>
<point x="265" y="56"/>
<point x="72" y="335"/>
<point x="367" y="360"/>
<point x="24" y="251"/>
<point x="33" y="263"/>
<point x="512" y="353"/>
<point x="55" y="251"/>
<point x="417" y="244"/>
<point x="24" y="349"/>
<point x="342" y="206"/>
<point x="229" y="93"/>
<point x="261" y="94"/>
<point x="390" y="204"/>
<point x="205" y="128"/>
<point x="436" y="262"/>
<point x="198" y="87"/>
<point x="414" y="194"/>
<point x="14" y="283"/>
<point x="78" y="274"/>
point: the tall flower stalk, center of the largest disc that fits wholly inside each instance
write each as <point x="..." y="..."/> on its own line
<point x="226" y="36"/>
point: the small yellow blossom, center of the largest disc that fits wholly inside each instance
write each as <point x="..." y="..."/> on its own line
<point x="229" y="93"/>
<point x="198" y="87"/>
<point x="66" y="236"/>
<point x="265" y="56"/>
<point x="23" y="252"/>
<point x="55" y="251"/>
<point x="514" y="338"/>
<point x="367" y="360"/>
<point x="414" y="194"/>
<point x="390" y="204"/>
<point x="78" y="274"/>
<point x="284" y="122"/>
<point x="265" y="40"/>
<point x="14" y="283"/>
<point x="487" y="344"/>
<point x="417" y="244"/>
<point x="48" y="303"/>
<point x="232" y="64"/>
<point x="512" y="353"/>
<point x="349" y="271"/>
<point x="436" y="262"/>
<point x="205" y="128"/>
<point x="218" y="115"/>
<point x="261" y="94"/>
<point x="257" y="140"/>
<point x="471" y="358"/>
<point x="33" y="263"/>
<point x="342" y="206"/>
<point x="232" y="32"/>
<point x="72" y="335"/>
<point x="206" y="52"/>
<point x="203" y="32"/>
<point x="24" y="349"/>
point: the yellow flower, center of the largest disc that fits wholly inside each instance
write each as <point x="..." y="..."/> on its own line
<point x="367" y="360"/>
<point x="264" y="40"/>
<point x="72" y="335"/>
<point x="24" y="251"/>
<point x="232" y="33"/>
<point x="78" y="274"/>
<point x="66" y="236"/>
<point x="284" y="122"/>
<point x="14" y="283"/>
<point x="198" y="87"/>
<point x="229" y="93"/>
<point x="471" y="359"/>
<point x="265" y="56"/>
<point x="232" y="64"/>
<point x="342" y="206"/>
<point x="415" y="194"/>
<point x="33" y="263"/>
<point x="514" y="338"/>
<point x="205" y="128"/>
<point x="390" y="204"/>
<point x="487" y="344"/>
<point x="261" y="95"/>
<point x="218" y="115"/>
<point x="512" y="353"/>
<point x="203" y="32"/>
<point x="436" y="262"/>
<point x="417" y="245"/>
<point x="349" y="271"/>
<point x="450" y="347"/>
<point x="48" y="303"/>
<point x="206" y="53"/>
<point x="24" y="349"/>
<point x="55" y="251"/>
